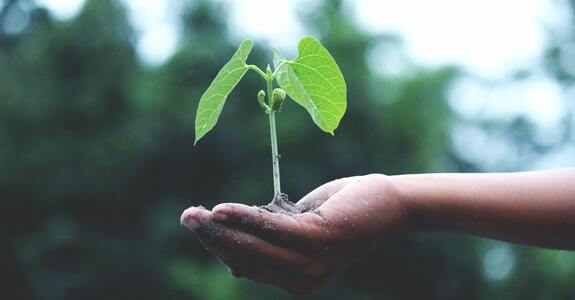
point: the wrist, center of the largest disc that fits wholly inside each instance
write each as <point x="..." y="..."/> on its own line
<point x="409" y="192"/>
<point x="400" y="201"/>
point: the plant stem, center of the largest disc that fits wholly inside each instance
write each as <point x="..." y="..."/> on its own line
<point x="274" y="74"/>
<point x="258" y="70"/>
<point x="273" y="135"/>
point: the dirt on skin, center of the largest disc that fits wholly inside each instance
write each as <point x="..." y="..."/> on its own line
<point x="281" y="204"/>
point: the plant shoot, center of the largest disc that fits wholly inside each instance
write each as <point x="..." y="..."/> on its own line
<point x="312" y="80"/>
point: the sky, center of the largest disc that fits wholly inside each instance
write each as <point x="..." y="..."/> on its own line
<point x="489" y="39"/>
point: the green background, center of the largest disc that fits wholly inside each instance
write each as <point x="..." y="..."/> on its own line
<point x="97" y="163"/>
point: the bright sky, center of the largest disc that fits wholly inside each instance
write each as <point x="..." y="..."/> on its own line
<point x="490" y="39"/>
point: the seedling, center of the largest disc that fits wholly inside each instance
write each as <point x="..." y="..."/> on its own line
<point x="313" y="80"/>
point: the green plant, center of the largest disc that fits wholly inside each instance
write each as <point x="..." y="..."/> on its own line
<point x="313" y="80"/>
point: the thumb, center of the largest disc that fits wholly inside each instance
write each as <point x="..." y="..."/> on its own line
<point x="318" y="196"/>
<point x="343" y="204"/>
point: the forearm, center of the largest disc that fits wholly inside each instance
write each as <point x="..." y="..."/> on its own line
<point x="534" y="208"/>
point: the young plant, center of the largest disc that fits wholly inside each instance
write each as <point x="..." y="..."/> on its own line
<point x="313" y="80"/>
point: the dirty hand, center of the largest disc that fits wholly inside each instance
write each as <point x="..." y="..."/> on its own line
<point x="339" y="221"/>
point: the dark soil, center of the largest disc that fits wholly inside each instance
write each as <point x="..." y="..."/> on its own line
<point x="281" y="204"/>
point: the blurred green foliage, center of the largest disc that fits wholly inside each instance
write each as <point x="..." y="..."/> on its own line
<point x="97" y="163"/>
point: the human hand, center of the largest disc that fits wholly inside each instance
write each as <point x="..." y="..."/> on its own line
<point x="340" y="221"/>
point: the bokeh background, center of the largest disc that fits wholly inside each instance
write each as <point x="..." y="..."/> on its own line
<point x="97" y="104"/>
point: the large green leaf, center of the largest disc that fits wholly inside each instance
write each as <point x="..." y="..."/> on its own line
<point x="214" y="98"/>
<point x="314" y="81"/>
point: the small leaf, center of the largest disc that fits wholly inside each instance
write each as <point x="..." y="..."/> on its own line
<point x="214" y="98"/>
<point x="262" y="100"/>
<point x="278" y="97"/>
<point x="314" y="81"/>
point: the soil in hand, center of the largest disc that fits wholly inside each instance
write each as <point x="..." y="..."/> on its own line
<point x="281" y="204"/>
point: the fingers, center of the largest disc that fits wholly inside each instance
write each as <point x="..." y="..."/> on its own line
<point x="249" y="256"/>
<point x="319" y="195"/>
<point x="229" y="243"/>
<point x="289" y="231"/>
<point x="198" y="221"/>
<point x="280" y="226"/>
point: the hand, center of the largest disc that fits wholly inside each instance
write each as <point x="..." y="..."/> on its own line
<point x="341" y="220"/>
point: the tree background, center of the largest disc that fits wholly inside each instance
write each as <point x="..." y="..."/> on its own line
<point x="97" y="161"/>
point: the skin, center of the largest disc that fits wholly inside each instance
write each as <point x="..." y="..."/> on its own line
<point x="345" y="218"/>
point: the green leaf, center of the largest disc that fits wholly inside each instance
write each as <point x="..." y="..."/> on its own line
<point x="214" y="98"/>
<point x="314" y="81"/>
